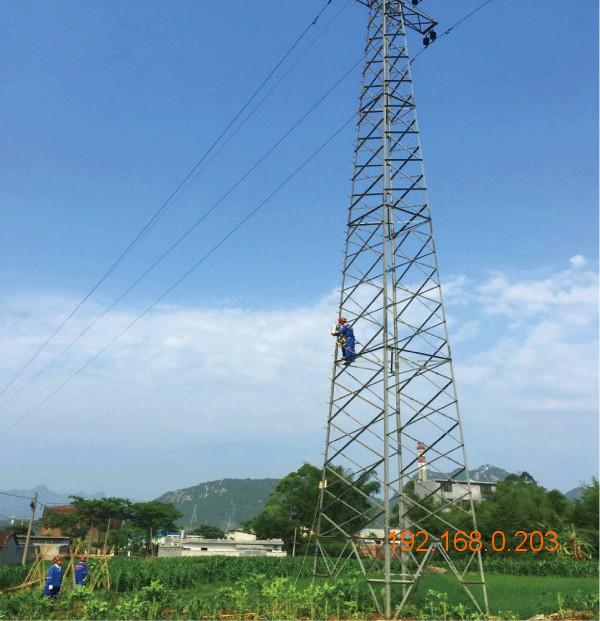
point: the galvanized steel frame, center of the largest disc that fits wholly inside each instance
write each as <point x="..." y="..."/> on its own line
<point x="400" y="389"/>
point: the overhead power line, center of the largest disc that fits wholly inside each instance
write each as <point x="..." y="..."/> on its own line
<point x="466" y="17"/>
<point x="15" y="495"/>
<point x="185" y="234"/>
<point x="180" y="188"/>
<point x="220" y="243"/>
<point x="454" y="25"/>
<point x="185" y="275"/>
<point x="233" y="133"/>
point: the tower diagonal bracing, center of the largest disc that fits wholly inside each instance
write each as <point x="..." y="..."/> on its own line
<point x="395" y="405"/>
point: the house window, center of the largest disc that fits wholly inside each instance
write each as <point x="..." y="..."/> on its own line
<point x="486" y="491"/>
<point x="204" y="549"/>
<point x="447" y="486"/>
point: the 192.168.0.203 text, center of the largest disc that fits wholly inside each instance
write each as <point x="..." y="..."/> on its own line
<point x="462" y="541"/>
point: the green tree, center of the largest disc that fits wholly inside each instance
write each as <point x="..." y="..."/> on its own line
<point x="111" y="513"/>
<point x="70" y="524"/>
<point x="208" y="532"/>
<point x="526" y="478"/>
<point x="153" y="516"/>
<point x="96" y="511"/>
<point x="585" y="516"/>
<point x="585" y="513"/>
<point x="128" y="538"/>
<point x="517" y="504"/>
<point x="86" y="512"/>
<point x="290" y="510"/>
<point x="560" y="504"/>
<point x="100" y="513"/>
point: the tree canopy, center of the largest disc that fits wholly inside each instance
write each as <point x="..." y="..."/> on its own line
<point x="518" y="503"/>
<point x="69" y="524"/>
<point x="208" y="532"/>
<point x="153" y="516"/>
<point x="148" y="517"/>
<point x="586" y="512"/>
<point x="290" y="510"/>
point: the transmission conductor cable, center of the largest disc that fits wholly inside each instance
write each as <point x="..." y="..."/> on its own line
<point x="180" y="188"/>
<point x="268" y="94"/>
<point x="185" y="275"/>
<point x="223" y="240"/>
<point x="184" y="235"/>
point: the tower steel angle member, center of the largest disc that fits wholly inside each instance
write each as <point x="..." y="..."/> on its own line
<point x="394" y="405"/>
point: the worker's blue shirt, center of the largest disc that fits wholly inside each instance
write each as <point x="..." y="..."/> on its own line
<point x="81" y="572"/>
<point x="348" y="333"/>
<point x="53" y="579"/>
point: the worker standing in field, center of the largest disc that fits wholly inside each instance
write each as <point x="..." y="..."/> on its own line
<point x="54" y="578"/>
<point x="81" y="572"/>
<point x="345" y="336"/>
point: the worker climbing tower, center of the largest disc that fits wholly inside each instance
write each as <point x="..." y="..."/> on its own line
<point x="394" y="405"/>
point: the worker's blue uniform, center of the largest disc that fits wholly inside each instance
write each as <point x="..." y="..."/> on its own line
<point x="81" y="572"/>
<point x="53" y="581"/>
<point x="348" y="343"/>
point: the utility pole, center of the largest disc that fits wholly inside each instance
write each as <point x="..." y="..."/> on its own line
<point x="32" y="506"/>
<point x="398" y="394"/>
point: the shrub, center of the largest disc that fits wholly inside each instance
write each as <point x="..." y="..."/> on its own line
<point x="95" y="608"/>
<point x="436" y="608"/>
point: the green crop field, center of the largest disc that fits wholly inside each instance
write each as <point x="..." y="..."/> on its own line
<point x="194" y="588"/>
<point x="525" y="596"/>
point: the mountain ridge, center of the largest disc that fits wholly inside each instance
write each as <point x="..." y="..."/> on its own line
<point x="485" y="474"/>
<point x="14" y="503"/>
<point x="222" y="502"/>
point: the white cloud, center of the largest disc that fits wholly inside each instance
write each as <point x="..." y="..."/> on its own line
<point x="525" y="351"/>
<point x="205" y="367"/>
<point x="572" y="293"/>
<point x="528" y="386"/>
<point x="455" y="289"/>
<point x="544" y="354"/>
<point x="577" y="261"/>
<point x="467" y="331"/>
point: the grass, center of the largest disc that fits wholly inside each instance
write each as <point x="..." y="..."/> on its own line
<point x="526" y="596"/>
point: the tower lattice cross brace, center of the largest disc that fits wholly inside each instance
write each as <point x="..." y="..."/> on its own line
<point x="395" y="405"/>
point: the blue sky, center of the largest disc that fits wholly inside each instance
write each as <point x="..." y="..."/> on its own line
<point x="104" y="109"/>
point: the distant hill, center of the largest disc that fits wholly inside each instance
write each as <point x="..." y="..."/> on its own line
<point x="223" y="503"/>
<point x="231" y="501"/>
<point x="14" y="503"/>
<point x="486" y="474"/>
<point x="576" y="493"/>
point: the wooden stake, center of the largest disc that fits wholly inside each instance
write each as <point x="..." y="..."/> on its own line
<point x="106" y="537"/>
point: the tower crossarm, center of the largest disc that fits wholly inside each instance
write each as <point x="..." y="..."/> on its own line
<point x="414" y="18"/>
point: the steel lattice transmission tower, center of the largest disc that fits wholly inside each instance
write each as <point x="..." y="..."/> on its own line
<point x="395" y="405"/>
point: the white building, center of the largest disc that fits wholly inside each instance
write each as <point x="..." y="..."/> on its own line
<point x="372" y="535"/>
<point x="443" y="489"/>
<point x="234" y="544"/>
